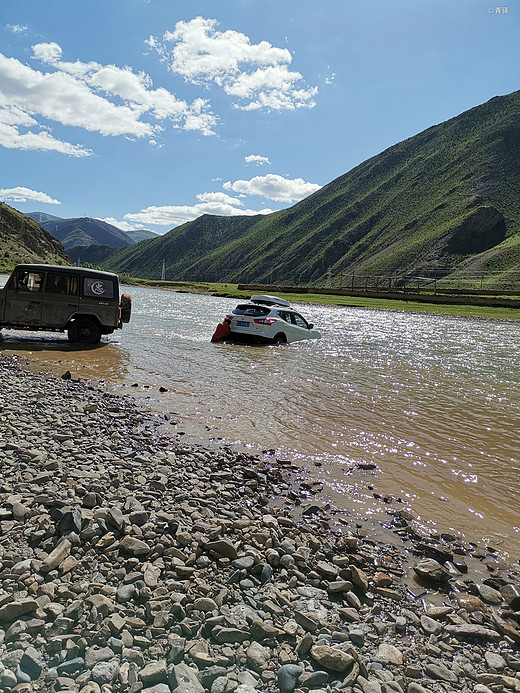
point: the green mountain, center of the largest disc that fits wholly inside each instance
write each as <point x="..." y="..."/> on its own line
<point x="23" y="240"/>
<point x="141" y="235"/>
<point x="446" y="200"/>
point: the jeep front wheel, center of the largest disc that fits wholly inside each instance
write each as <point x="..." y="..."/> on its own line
<point x="84" y="332"/>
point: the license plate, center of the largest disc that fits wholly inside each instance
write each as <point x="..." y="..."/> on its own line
<point x="242" y="323"/>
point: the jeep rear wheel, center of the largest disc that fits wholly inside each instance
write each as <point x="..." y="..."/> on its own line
<point x="84" y="331"/>
<point x="126" y="307"/>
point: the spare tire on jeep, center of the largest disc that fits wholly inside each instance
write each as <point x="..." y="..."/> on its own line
<point x="126" y="307"/>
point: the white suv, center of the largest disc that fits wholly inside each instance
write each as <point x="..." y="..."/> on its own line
<point x="269" y="320"/>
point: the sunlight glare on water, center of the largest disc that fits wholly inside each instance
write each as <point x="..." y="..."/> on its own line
<point x="430" y="402"/>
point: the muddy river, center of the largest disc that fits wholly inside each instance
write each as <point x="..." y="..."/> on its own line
<point x="421" y="408"/>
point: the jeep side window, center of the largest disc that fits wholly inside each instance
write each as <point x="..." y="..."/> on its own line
<point x="58" y="283"/>
<point x="94" y="287"/>
<point x="28" y="281"/>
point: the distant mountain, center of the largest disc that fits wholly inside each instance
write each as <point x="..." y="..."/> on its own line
<point x="141" y="235"/>
<point x="83" y="231"/>
<point x="181" y="249"/>
<point x="42" y="217"/>
<point x="447" y="199"/>
<point x="23" y="240"/>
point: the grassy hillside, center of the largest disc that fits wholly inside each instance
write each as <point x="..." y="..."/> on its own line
<point x="23" y="240"/>
<point x="445" y="200"/>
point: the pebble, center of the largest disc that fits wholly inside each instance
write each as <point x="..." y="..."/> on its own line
<point x="130" y="562"/>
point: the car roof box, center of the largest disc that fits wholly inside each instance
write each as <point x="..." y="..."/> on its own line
<point x="270" y="301"/>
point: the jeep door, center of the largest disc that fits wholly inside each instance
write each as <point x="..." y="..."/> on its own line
<point x="60" y="299"/>
<point x="23" y="299"/>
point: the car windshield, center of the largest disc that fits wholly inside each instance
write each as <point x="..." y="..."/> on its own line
<point x="253" y="311"/>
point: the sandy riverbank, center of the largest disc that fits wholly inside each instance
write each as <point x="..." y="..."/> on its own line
<point x="132" y="562"/>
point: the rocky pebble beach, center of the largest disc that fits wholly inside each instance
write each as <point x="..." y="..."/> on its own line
<point x="131" y="562"/>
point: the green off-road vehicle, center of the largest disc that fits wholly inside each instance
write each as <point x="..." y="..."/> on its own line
<point x="83" y="302"/>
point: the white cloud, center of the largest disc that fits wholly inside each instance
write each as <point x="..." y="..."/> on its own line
<point x="105" y="99"/>
<point x="175" y="215"/>
<point x="21" y="194"/>
<point x="329" y="79"/>
<point x="219" y="197"/>
<point x="256" y="159"/>
<point x="17" y="28"/>
<point x="274" y="187"/>
<point x="257" y="74"/>
<point x="123" y="225"/>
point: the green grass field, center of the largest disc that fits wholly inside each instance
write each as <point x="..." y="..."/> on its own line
<point x="231" y="291"/>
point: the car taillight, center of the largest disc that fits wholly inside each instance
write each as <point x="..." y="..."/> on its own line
<point x="265" y="321"/>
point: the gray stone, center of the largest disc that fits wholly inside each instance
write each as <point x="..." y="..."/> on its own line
<point x="8" y="679"/>
<point x="223" y="548"/>
<point x="95" y="654"/>
<point x="230" y="635"/>
<point x="414" y="687"/>
<point x="432" y="571"/>
<point x="258" y="657"/>
<point x="489" y="595"/>
<point x="71" y="666"/>
<point x="13" y="610"/>
<point x="105" y="672"/>
<point x="331" y="658"/>
<point x="134" y="546"/>
<point x="126" y="593"/>
<point x="153" y="673"/>
<point x="205" y="604"/>
<point x="430" y="625"/>
<point x="22" y="676"/>
<point x="31" y="663"/>
<point x="441" y="672"/>
<point x="288" y="676"/>
<point x="389" y="654"/>
<point x="314" y="679"/>
<point x="187" y="681"/>
<point x="57" y="556"/>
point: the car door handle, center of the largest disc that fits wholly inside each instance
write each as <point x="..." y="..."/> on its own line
<point x="71" y="305"/>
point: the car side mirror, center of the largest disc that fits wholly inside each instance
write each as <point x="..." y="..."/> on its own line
<point x="311" y="325"/>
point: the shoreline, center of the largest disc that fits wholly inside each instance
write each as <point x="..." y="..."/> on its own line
<point x="131" y="561"/>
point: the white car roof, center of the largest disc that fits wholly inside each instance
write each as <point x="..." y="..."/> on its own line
<point x="270" y="301"/>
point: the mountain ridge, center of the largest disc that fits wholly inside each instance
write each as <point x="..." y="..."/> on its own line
<point x="446" y="198"/>
<point x="82" y="231"/>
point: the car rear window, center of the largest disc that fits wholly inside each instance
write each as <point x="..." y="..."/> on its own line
<point x="98" y="288"/>
<point x="253" y="311"/>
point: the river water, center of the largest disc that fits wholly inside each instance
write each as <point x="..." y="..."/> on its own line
<point x="424" y="408"/>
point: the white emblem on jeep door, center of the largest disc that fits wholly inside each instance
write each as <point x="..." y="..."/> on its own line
<point x="97" y="288"/>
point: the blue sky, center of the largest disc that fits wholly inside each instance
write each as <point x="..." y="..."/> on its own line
<point x="149" y="113"/>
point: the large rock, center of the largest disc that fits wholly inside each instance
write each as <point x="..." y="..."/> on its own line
<point x="13" y="610"/>
<point x="331" y="658"/>
<point x="133" y="546"/>
<point x="432" y="571"/>
<point x="56" y="556"/>
<point x="389" y="654"/>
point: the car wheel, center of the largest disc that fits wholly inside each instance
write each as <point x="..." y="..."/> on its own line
<point x="280" y="339"/>
<point x="84" y="332"/>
